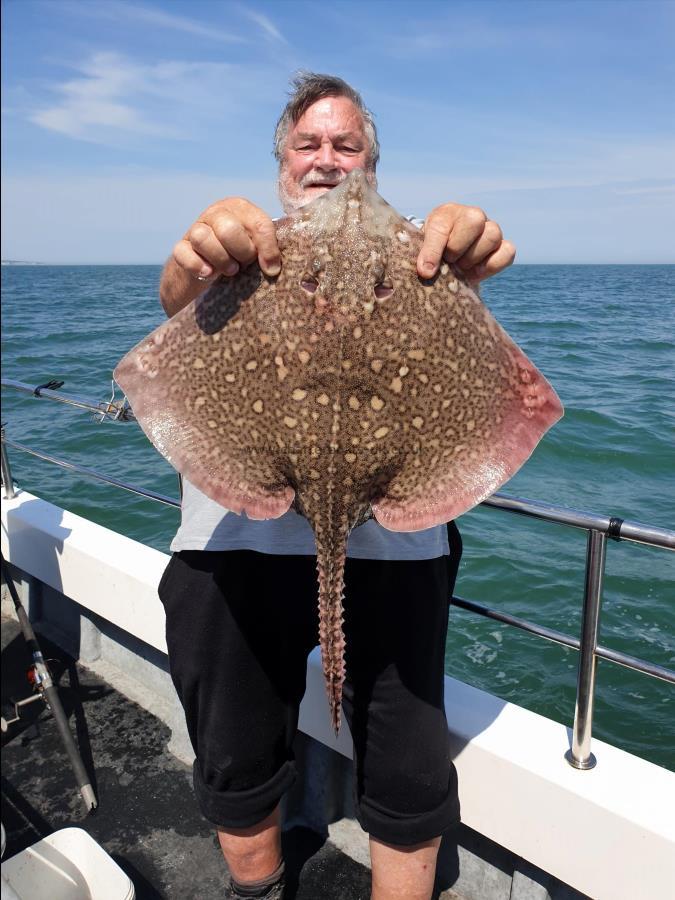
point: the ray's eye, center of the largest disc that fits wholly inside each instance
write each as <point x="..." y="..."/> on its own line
<point x="383" y="289"/>
<point x="377" y="270"/>
<point x="309" y="283"/>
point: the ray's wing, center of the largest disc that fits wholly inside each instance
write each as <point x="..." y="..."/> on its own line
<point x="471" y="407"/>
<point x="202" y="387"/>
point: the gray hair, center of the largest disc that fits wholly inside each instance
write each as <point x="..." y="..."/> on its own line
<point x="308" y="87"/>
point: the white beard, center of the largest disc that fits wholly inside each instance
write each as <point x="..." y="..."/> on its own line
<point x="295" y="195"/>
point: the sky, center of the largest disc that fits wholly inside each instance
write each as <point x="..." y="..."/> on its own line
<point x="123" y="119"/>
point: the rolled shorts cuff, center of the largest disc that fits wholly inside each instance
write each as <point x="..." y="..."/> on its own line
<point x="404" y="829"/>
<point x="242" y="809"/>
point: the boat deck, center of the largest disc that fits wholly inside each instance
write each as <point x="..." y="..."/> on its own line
<point x="147" y="819"/>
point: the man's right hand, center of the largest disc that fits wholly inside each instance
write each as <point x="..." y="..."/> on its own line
<point x="226" y="237"/>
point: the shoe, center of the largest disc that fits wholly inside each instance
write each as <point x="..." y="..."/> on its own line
<point x="270" y="888"/>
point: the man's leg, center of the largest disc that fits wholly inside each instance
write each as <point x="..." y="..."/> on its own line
<point x="403" y="873"/>
<point x="405" y="783"/>
<point x="253" y="855"/>
<point x="239" y="628"/>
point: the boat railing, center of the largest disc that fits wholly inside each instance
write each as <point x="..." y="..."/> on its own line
<point x="599" y="528"/>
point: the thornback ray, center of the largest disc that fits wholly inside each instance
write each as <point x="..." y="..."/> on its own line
<point x="346" y="385"/>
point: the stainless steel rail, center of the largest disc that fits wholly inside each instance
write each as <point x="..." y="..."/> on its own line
<point x="116" y="410"/>
<point x="558" y="637"/>
<point x="613" y="526"/>
<point x="599" y="529"/>
<point x="7" y="480"/>
<point x="83" y="470"/>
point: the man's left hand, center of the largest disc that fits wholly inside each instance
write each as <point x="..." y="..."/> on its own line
<point x="463" y="235"/>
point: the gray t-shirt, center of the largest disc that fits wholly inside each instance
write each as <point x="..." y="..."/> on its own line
<point x="205" y="525"/>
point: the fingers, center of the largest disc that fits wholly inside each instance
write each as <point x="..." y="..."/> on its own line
<point x="465" y="236"/>
<point x="264" y="236"/>
<point x="224" y="242"/>
<point x="246" y="232"/>
<point x="496" y="262"/>
<point x="449" y="231"/>
<point x="229" y="235"/>
<point x="487" y="243"/>
<point x="191" y="261"/>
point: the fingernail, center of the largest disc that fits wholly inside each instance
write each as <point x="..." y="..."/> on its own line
<point x="428" y="268"/>
<point x="204" y="272"/>
<point x="273" y="268"/>
<point x="231" y="268"/>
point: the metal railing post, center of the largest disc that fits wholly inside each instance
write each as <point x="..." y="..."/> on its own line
<point x="7" y="480"/>
<point x="580" y="755"/>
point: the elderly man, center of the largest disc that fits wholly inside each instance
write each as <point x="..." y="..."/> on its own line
<point x="240" y="595"/>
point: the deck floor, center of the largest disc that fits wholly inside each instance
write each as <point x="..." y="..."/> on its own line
<point x="147" y="818"/>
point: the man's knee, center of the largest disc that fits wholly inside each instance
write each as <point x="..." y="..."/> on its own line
<point x="255" y="851"/>
<point x="410" y="806"/>
<point x="407" y="790"/>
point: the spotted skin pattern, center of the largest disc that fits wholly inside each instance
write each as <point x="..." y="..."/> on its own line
<point x="346" y="386"/>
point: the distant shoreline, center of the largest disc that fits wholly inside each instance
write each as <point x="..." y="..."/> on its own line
<point x="19" y="262"/>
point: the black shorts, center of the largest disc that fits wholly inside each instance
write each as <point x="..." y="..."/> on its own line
<point x="240" y="625"/>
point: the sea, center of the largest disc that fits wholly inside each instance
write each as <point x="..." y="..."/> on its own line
<point x="604" y="337"/>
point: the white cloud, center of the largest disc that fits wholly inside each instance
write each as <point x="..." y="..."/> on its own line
<point x="149" y="15"/>
<point x="268" y="27"/>
<point x="100" y="101"/>
<point x="459" y="33"/>
<point x="113" y="97"/>
<point x="542" y="162"/>
<point x="84" y="118"/>
<point x="649" y="189"/>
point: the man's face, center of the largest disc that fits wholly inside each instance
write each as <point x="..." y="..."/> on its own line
<point x="324" y="145"/>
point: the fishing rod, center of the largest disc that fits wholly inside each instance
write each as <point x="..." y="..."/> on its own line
<point x="41" y="679"/>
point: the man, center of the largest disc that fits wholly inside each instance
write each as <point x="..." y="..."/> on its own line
<point x="240" y="595"/>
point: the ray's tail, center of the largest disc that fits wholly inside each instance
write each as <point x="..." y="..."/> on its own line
<point x="331" y="557"/>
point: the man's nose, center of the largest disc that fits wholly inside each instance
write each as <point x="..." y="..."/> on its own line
<point x="325" y="157"/>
